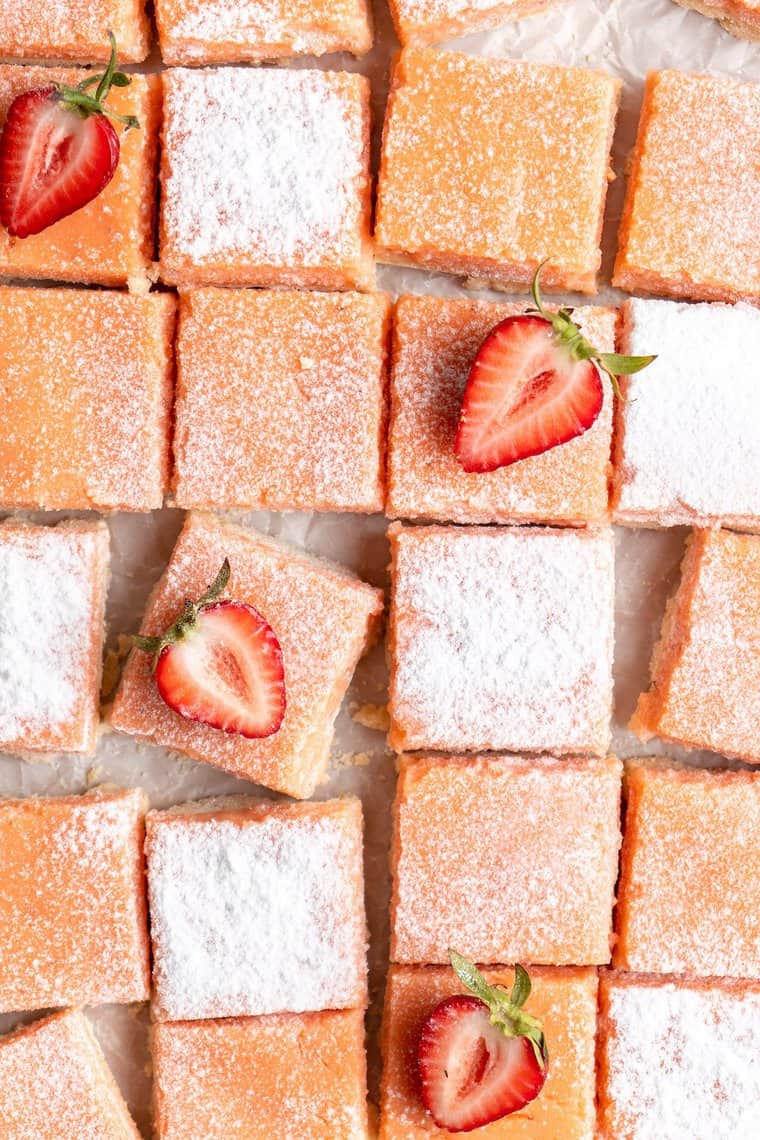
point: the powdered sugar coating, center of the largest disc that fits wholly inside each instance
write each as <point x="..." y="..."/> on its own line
<point x="501" y="639"/>
<point x="73" y="29"/>
<point x="691" y="224"/>
<point x="52" y="584"/>
<point x="679" y="910"/>
<point x="289" y="1076"/>
<point x="323" y="618"/>
<point x="688" y="444"/>
<point x="265" y="178"/>
<point x="312" y="437"/>
<point x="525" y="850"/>
<point x="257" y="913"/>
<point x="85" y="399"/>
<point x="490" y="167"/>
<point x="435" y="343"/>
<point x="72" y="901"/>
<point x="54" y="1084"/>
<point x="420" y="22"/>
<point x="680" y="1059"/>
<point x="201" y="31"/>
<point x="706" y="671"/>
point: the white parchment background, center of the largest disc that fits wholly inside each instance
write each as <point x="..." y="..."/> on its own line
<point x="627" y="38"/>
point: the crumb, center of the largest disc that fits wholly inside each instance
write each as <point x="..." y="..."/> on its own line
<point x="372" y="716"/>
<point x="94" y="774"/>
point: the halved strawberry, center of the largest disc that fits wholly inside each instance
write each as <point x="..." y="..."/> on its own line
<point x="536" y="383"/>
<point x="221" y="664"/>
<point x="58" y="150"/>
<point x="480" y="1057"/>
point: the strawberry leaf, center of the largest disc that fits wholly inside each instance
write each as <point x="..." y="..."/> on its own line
<point x="623" y="365"/>
<point x="521" y="988"/>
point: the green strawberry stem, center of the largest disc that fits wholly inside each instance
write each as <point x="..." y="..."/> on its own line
<point x="570" y="336"/>
<point x="188" y="619"/>
<point x="77" y="99"/>
<point x="506" y="1012"/>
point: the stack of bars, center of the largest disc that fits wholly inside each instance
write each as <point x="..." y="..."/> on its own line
<point x="641" y="939"/>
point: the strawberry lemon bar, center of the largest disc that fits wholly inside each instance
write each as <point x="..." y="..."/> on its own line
<point x="72" y="901"/>
<point x="299" y="1075"/>
<point x="501" y="639"/>
<point x="687" y="439"/>
<point x="85" y="398"/>
<point x="110" y="240"/>
<point x="739" y="17"/>
<point x="256" y="907"/>
<point x="506" y="894"/>
<point x="54" y="1083"/>
<point x="435" y="344"/>
<point x="54" y="582"/>
<point x="265" y="179"/>
<point x="706" y="667"/>
<point x="313" y="438"/>
<point x="691" y="221"/>
<point x="215" y="31"/>
<point x="320" y="618"/>
<point x="678" y="1058"/>
<point x="679" y="910"/>
<point x="74" y="30"/>
<point x="490" y="167"/>
<point x="421" y="22"/>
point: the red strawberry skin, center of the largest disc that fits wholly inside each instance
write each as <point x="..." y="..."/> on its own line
<point x="470" y="1072"/>
<point x="525" y="395"/>
<point x="53" y="161"/>
<point x="227" y="672"/>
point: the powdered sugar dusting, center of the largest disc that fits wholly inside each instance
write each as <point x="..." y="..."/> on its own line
<point x="257" y="915"/>
<point x="690" y="425"/>
<point x="528" y="856"/>
<point x="683" y="1061"/>
<point x="264" y="167"/>
<point x="49" y="618"/>
<point x="694" y="194"/>
<point x="54" y="1083"/>
<point x="503" y="639"/>
<point x="72" y="29"/>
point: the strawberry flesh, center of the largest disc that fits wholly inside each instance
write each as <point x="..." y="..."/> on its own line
<point x="226" y="672"/>
<point x="470" y="1072"/>
<point x="525" y="394"/>
<point x="53" y="161"/>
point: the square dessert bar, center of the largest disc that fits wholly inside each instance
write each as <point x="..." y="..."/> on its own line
<point x="678" y="1058"/>
<point x="435" y="342"/>
<point x="256" y="907"/>
<point x="300" y="1075"/>
<point x="564" y="999"/>
<point x="490" y="167"/>
<point x="324" y="619"/>
<point x="265" y="179"/>
<point x="55" y="1083"/>
<point x="501" y="639"/>
<point x="687" y="442"/>
<point x="85" y="398"/>
<point x="75" y="30"/>
<point x="72" y="901"/>
<point x="691" y="221"/>
<point x="525" y="852"/>
<point x="706" y="667"/>
<point x="679" y="910"/>
<point x="54" y="583"/>
<point x="215" y="31"/>
<point x="281" y="400"/>
<point x="110" y="241"/>
<point x="739" y="17"/>
<point x="422" y="22"/>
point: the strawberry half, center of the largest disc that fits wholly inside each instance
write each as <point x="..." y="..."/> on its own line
<point x="58" y="150"/>
<point x="480" y="1057"/>
<point x="536" y="383"/>
<point x="221" y="664"/>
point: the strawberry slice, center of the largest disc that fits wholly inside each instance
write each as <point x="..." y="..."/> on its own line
<point x="221" y="664"/>
<point x="480" y="1057"/>
<point x="58" y="150"/>
<point x="536" y="383"/>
